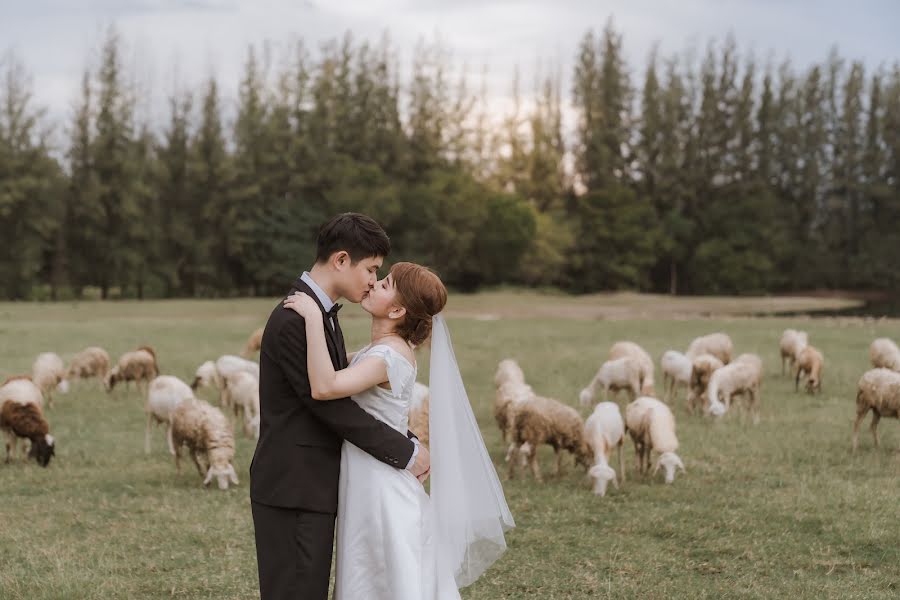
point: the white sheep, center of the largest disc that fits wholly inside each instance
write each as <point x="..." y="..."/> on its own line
<point x="243" y="394"/>
<point x="508" y="370"/>
<point x="884" y="353"/>
<point x="212" y="374"/>
<point x="626" y="349"/>
<point x="207" y="434"/>
<point x="717" y="344"/>
<point x="741" y="377"/>
<point x="878" y="390"/>
<point x="164" y="395"/>
<point x="792" y="343"/>
<point x="676" y="368"/>
<point x="614" y="376"/>
<point x="651" y="425"/>
<point x="48" y="372"/>
<point x="603" y="431"/>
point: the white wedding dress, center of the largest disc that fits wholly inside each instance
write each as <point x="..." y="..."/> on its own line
<point x="385" y="526"/>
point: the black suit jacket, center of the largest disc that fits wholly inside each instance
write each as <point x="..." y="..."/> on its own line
<point x="298" y="456"/>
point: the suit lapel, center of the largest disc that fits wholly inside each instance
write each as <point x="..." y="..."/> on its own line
<point x="331" y="336"/>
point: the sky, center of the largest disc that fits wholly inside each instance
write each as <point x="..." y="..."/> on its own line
<point x="175" y="43"/>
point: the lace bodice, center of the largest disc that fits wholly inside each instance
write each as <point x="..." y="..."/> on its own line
<point x="390" y="406"/>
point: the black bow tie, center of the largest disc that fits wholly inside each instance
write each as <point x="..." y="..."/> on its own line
<point x="334" y="310"/>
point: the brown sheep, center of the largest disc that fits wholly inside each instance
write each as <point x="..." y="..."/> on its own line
<point x="702" y="369"/>
<point x="138" y="366"/>
<point x="208" y="436"/>
<point x="878" y="391"/>
<point x="254" y="342"/>
<point x="27" y="421"/>
<point x="809" y="365"/>
<point x="90" y="362"/>
<point x="546" y="421"/>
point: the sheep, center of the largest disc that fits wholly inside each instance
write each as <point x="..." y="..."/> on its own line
<point x="792" y="343"/>
<point x="48" y="372"/>
<point x="139" y="366"/>
<point x="614" y="376"/>
<point x="651" y="425"/>
<point x="27" y="421"/>
<point x="878" y="390"/>
<point x="206" y="432"/>
<point x="742" y="377"/>
<point x="418" y="412"/>
<point x="90" y="362"/>
<point x="21" y="389"/>
<point x="546" y="421"/>
<point x="809" y="364"/>
<point x="603" y="431"/>
<point x="164" y="395"/>
<point x="254" y="342"/>
<point x="243" y="394"/>
<point x="717" y="344"/>
<point x="676" y="368"/>
<point x="644" y="361"/>
<point x="884" y="354"/>
<point x="507" y="399"/>
<point x="702" y="368"/>
<point x="508" y="370"/>
<point x="213" y="374"/>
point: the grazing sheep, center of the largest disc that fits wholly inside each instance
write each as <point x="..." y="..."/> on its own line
<point x="509" y="396"/>
<point x="884" y="354"/>
<point x="603" y="431"/>
<point x="21" y="389"/>
<point x="48" y="372"/>
<point x="418" y="412"/>
<point x="644" y="361"/>
<point x="651" y="425"/>
<point x="213" y="374"/>
<point x="717" y="344"/>
<point x="27" y="421"/>
<point x="207" y="434"/>
<point x="702" y="369"/>
<point x="253" y="343"/>
<point x="676" y="368"/>
<point x="165" y="394"/>
<point x="138" y="366"/>
<point x="90" y="362"/>
<point x="809" y="365"/>
<point x="546" y="421"/>
<point x="741" y="377"/>
<point x="243" y="394"/>
<point x="792" y="343"/>
<point x="878" y="391"/>
<point x="614" y="376"/>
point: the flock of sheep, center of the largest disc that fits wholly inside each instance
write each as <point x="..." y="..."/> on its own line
<point x="712" y="380"/>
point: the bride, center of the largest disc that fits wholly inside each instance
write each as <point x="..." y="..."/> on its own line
<point x="394" y="541"/>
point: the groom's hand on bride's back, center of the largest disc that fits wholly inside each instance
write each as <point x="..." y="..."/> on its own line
<point x="421" y="467"/>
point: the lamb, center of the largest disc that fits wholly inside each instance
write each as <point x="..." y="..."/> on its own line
<point x="138" y="366"/>
<point x="717" y="344"/>
<point x="809" y="365"/>
<point x="878" y="391"/>
<point x="884" y="354"/>
<point x="90" y="362"/>
<point x="48" y="372"/>
<point x="614" y="376"/>
<point x="207" y="434"/>
<point x="213" y="374"/>
<point x="254" y="342"/>
<point x="418" y="412"/>
<point x="644" y="361"/>
<point x="676" y="368"/>
<point x="742" y="377"/>
<point x="165" y="394"/>
<point x="243" y="394"/>
<point x="27" y="421"/>
<point x="651" y="425"/>
<point x="546" y="421"/>
<point x="605" y="430"/>
<point x="792" y="343"/>
<point x="701" y="370"/>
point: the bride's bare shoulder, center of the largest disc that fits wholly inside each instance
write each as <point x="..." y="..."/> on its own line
<point x="402" y="348"/>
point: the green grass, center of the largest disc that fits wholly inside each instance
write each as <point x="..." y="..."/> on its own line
<point x="781" y="509"/>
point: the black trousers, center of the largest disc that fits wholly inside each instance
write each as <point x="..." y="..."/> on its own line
<point x="293" y="552"/>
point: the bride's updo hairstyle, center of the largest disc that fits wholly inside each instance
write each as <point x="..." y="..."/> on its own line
<point x="422" y="293"/>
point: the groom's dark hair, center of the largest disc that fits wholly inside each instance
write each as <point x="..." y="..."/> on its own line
<point x="358" y="235"/>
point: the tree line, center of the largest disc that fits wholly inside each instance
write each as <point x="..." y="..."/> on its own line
<point x="704" y="174"/>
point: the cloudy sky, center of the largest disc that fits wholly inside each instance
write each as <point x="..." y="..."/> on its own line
<point x="179" y="42"/>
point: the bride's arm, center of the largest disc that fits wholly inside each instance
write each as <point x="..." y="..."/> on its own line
<point x="325" y="383"/>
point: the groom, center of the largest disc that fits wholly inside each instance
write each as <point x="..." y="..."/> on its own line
<point x="295" y="469"/>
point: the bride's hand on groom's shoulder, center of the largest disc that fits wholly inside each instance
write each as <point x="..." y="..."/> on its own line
<point x="302" y="304"/>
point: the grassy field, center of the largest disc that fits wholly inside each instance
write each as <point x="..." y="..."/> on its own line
<point x="781" y="509"/>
